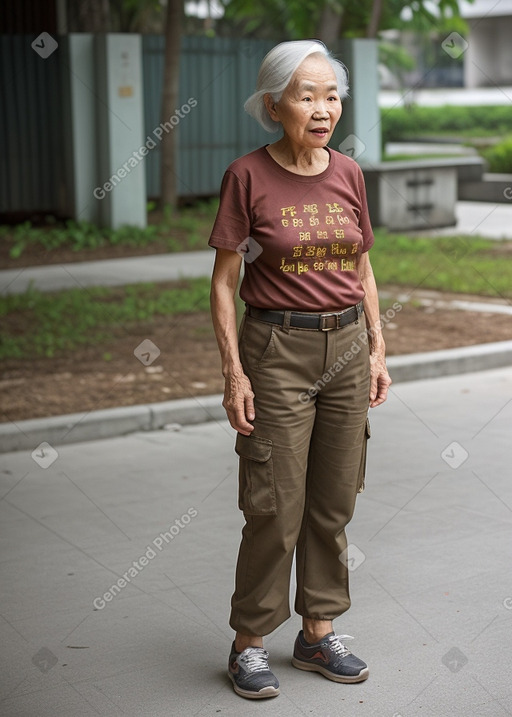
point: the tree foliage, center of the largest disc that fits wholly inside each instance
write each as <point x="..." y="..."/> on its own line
<point x="114" y="15"/>
<point x="296" y="19"/>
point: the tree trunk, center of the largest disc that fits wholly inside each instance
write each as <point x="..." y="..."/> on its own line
<point x="170" y="98"/>
<point x="329" y="25"/>
<point x="89" y="16"/>
<point x="373" y="25"/>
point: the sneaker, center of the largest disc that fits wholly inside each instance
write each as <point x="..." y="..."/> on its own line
<point x="330" y="657"/>
<point x="251" y="675"/>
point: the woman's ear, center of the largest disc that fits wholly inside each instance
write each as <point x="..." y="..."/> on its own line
<point x="271" y="106"/>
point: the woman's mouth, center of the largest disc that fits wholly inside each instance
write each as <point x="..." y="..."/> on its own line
<point x="320" y="131"/>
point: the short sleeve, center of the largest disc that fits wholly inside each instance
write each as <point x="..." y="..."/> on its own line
<point x="233" y="221"/>
<point x="364" y="218"/>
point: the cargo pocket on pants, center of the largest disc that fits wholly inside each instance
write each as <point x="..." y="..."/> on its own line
<point x="256" y="485"/>
<point x="362" y="467"/>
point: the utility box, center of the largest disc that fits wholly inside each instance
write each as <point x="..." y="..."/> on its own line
<point x="80" y="135"/>
<point x="121" y="184"/>
<point x="411" y="195"/>
<point x="105" y="148"/>
<point x="358" y="133"/>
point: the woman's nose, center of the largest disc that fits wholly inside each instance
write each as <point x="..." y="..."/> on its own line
<point x="320" y="108"/>
<point x="320" y="114"/>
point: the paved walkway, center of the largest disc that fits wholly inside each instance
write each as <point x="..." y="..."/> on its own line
<point x="447" y="96"/>
<point x="493" y="221"/>
<point x="108" y="272"/>
<point x="431" y="589"/>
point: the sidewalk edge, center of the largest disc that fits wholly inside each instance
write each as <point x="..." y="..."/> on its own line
<point x="111" y="422"/>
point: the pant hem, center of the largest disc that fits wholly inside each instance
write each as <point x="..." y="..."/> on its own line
<point x="238" y="627"/>
<point x="322" y="617"/>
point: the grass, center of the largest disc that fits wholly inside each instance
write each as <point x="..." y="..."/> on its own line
<point x="412" y="157"/>
<point x="39" y="324"/>
<point x="179" y="230"/>
<point x="455" y="135"/>
<point x="65" y="320"/>
<point x="455" y="264"/>
<point x="399" y="123"/>
<point x="480" y="127"/>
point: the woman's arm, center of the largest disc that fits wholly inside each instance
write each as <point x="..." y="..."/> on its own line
<point x="238" y="395"/>
<point x="380" y="379"/>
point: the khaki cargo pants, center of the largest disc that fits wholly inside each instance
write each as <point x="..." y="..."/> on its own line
<point x="300" y="470"/>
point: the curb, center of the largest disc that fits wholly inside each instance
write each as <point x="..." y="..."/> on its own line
<point x="108" y="422"/>
<point x="449" y="362"/>
<point x="111" y="422"/>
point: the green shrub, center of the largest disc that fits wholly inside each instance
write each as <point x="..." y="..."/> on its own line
<point x="401" y="123"/>
<point x="500" y="156"/>
<point x="183" y="229"/>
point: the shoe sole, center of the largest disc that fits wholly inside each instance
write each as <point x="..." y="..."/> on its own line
<point x="262" y="694"/>
<point x="346" y="679"/>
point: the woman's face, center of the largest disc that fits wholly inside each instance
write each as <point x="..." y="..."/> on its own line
<point x="310" y="106"/>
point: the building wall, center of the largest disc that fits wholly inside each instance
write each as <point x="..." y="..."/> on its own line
<point x="488" y="59"/>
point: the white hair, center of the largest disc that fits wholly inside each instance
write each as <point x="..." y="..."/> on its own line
<point x="276" y="71"/>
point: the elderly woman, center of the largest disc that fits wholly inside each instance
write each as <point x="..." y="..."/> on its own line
<point x="304" y="368"/>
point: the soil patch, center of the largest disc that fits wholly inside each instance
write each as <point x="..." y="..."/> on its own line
<point x="97" y="377"/>
<point x="38" y="256"/>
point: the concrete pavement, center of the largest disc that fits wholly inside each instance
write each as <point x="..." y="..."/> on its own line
<point x="430" y="571"/>
<point x="439" y="96"/>
<point x="108" y="272"/>
<point x="486" y="219"/>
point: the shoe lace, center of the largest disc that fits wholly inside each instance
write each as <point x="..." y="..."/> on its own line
<point x="337" y="646"/>
<point x="255" y="659"/>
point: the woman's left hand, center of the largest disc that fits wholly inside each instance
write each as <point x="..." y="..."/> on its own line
<point x="380" y="379"/>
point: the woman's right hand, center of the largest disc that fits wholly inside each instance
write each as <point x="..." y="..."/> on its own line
<point x="239" y="402"/>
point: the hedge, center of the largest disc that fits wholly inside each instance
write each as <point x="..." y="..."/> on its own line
<point x="403" y="123"/>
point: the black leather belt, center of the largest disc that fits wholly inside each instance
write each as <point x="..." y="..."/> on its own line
<point x="314" y="322"/>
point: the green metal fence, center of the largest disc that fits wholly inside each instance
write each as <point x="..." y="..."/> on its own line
<point x="31" y="128"/>
<point x="218" y="73"/>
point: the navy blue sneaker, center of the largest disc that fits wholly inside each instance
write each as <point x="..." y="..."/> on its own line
<point x="330" y="657"/>
<point x="251" y="675"/>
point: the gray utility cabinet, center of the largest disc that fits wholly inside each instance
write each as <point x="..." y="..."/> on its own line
<point x="412" y="194"/>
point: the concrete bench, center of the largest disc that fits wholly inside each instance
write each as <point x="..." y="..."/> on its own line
<point x="418" y="194"/>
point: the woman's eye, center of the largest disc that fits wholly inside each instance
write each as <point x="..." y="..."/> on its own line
<point x="307" y="99"/>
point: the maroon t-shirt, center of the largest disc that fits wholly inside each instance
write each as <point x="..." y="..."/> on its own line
<point x="302" y="235"/>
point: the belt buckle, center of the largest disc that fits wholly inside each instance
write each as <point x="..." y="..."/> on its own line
<point x="323" y="327"/>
